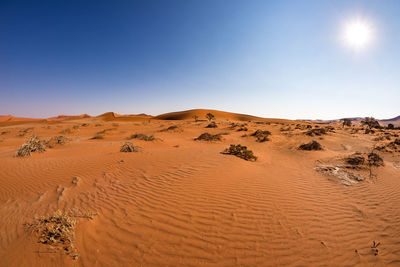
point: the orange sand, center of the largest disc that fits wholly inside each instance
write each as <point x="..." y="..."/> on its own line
<point x="179" y="202"/>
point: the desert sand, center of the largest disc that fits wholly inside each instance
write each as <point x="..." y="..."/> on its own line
<point x="180" y="202"/>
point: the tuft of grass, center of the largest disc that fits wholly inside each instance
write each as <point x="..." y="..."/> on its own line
<point x="33" y="144"/>
<point x="129" y="147"/>
<point x="209" y="137"/>
<point x="142" y="137"/>
<point x="241" y="152"/>
<point x="314" y="145"/>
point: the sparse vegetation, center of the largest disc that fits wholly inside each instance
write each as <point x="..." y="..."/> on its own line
<point x="210" y="116"/>
<point x="196" y="118"/>
<point x="346" y="122"/>
<point x="25" y="131"/>
<point x="262" y="136"/>
<point x="241" y="152"/>
<point x="58" y="230"/>
<point x="33" y="144"/>
<point x="142" y="137"/>
<point x="170" y="128"/>
<point x="313" y="145"/>
<point x="356" y="159"/>
<point x="371" y="123"/>
<point x="316" y="132"/>
<point x="56" y="140"/>
<point x="129" y="147"/>
<point x="209" y="137"/>
<point x="212" y="125"/>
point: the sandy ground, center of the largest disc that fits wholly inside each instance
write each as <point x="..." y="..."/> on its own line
<point x="180" y="202"/>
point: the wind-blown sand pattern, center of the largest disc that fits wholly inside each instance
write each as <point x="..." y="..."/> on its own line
<point x="180" y="202"/>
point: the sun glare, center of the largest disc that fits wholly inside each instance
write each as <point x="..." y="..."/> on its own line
<point x="358" y="34"/>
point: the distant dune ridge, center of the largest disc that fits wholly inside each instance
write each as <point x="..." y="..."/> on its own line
<point x="178" y="115"/>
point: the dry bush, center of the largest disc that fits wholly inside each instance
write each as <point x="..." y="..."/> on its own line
<point x="4" y="132"/>
<point x="375" y="160"/>
<point x="170" y="128"/>
<point x="314" y="145"/>
<point x="303" y="126"/>
<point x="209" y="137"/>
<point x="57" y="140"/>
<point x="241" y="152"/>
<point x="371" y="123"/>
<point x="129" y="147"/>
<point x="212" y="125"/>
<point x="142" y="137"/>
<point x="262" y="136"/>
<point x="85" y="124"/>
<point x="98" y="125"/>
<point x="58" y="230"/>
<point x="355" y="159"/>
<point x="66" y="131"/>
<point x="316" y="132"/>
<point x="25" y="131"/>
<point x="242" y="129"/>
<point x="210" y="116"/>
<point x="33" y="144"/>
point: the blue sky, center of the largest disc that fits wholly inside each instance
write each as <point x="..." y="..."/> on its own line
<point x="268" y="58"/>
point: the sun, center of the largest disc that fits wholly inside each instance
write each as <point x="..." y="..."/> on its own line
<point x="358" y="34"/>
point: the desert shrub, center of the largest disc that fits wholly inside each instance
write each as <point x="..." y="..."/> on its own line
<point x="212" y="125"/>
<point x="196" y="118"/>
<point x="142" y="137"/>
<point x="390" y="126"/>
<point x="170" y="128"/>
<point x="210" y="116"/>
<point x="369" y="131"/>
<point x="25" y="131"/>
<point x="356" y="159"/>
<point x="241" y="152"/>
<point x="58" y="230"/>
<point x="209" y="137"/>
<point x="98" y="125"/>
<point x="33" y="144"/>
<point x="375" y="160"/>
<point x="75" y="127"/>
<point x="4" y="132"/>
<point x="371" y="123"/>
<point x="314" y="145"/>
<point x="56" y="140"/>
<point x="261" y="135"/>
<point x="129" y="147"/>
<point x="85" y="124"/>
<point x="346" y="122"/>
<point x="316" y="132"/>
<point x="242" y="129"/>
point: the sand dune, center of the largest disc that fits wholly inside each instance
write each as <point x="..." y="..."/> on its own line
<point x="180" y="202"/>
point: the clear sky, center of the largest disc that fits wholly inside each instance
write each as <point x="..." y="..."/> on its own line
<point x="279" y="58"/>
